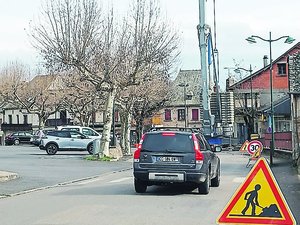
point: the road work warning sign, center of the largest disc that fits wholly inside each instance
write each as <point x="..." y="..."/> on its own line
<point x="258" y="200"/>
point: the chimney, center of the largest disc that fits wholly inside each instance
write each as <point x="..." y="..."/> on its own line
<point x="265" y="60"/>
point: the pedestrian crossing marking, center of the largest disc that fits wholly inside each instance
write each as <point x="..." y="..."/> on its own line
<point x="258" y="200"/>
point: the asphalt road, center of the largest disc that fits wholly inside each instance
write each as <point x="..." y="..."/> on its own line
<point x="110" y="199"/>
<point x="102" y="192"/>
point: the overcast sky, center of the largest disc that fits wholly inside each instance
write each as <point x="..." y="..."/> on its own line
<point x="235" y="20"/>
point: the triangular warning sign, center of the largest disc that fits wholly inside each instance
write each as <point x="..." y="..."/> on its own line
<point x="244" y="146"/>
<point x="258" y="200"/>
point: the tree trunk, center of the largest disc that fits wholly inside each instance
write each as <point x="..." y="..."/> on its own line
<point x="126" y="118"/>
<point x="127" y="134"/>
<point x="139" y="128"/>
<point x="123" y="138"/>
<point x="41" y="122"/>
<point x="108" y="117"/>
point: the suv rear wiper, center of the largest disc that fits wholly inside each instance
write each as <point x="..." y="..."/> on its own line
<point x="173" y="151"/>
<point x="146" y="150"/>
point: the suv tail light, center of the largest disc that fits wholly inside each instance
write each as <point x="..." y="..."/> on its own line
<point x="198" y="154"/>
<point x="137" y="153"/>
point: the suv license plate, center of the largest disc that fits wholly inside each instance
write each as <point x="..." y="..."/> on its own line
<point x="168" y="159"/>
<point x="179" y="177"/>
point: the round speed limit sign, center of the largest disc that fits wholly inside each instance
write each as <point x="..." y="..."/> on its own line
<point x="254" y="146"/>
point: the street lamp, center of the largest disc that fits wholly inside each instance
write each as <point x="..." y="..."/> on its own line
<point x="184" y="85"/>
<point x="238" y="70"/>
<point x="288" y="40"/>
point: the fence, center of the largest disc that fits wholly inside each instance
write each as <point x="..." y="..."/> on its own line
<point x="283" y="141"/>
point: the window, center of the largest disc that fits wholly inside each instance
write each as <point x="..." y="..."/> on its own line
<point x="281" y="69"/>
<point x="18" y="119"/>
<point x="10" y="119"/>
<point x="93" y="117"/>
<point x="195" y="114"/>
<point x="116" y="116"/>
<point x="282" y="126"/>
<point x="25" y="119"/>
<point x="177" y="142"/>
<point x="168" y="115"/>
<point x="181" y="114"/>
<point x="89" y="132"/>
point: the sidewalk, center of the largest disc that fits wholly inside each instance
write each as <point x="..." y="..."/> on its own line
<point x="288" y="180"/>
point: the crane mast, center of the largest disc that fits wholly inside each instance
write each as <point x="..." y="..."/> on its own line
<point x="204" y="70"/>
<point x="211" y="124"/>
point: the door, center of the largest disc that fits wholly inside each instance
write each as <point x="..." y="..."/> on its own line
<point x="78" y="141"/>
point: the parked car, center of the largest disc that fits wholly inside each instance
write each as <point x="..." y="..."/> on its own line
<point x="84" y="130"/>
<point x="175" y="156"/>
<point x="67" y="140"/>
<point x="18" y="137"/>
<point x="88" y="132"/>
<point x="37" y="137"/>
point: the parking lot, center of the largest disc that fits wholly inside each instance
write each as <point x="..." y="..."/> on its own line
<point x="37" y="169"/>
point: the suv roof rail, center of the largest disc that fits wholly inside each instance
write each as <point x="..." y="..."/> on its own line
<point x="187" y="129"/>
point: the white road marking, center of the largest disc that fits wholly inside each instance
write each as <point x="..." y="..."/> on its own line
<point x="120" y="180"/>
<point x="239" y="179"/>
<point x="90" y="180"/>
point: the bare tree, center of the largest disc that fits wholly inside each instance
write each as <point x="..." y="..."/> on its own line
<point x="32" y="95"/>
<point x="81" y="99"/>
<point x="246" y="102"/>
<point x="107" y="53"/>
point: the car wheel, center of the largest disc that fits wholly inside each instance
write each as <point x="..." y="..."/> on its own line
<point x="204" y="187"/>
<point x="90" y="149"/>
<point x="215" y="182"/>
<point x="16" y="142"/>
<point x="51" y="149"/>
<point x="140" y="186"/>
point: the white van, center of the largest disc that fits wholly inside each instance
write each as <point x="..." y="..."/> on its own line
<point x="84" y="130"/>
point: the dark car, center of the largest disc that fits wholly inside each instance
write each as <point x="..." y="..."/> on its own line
<point x="175" y="156"/>
<point x="18" y="137"/>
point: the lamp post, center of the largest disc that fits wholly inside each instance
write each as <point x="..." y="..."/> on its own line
<point x="251" y="91"/>
<point x="288" y="40"/>
<point x="184" y="85"/>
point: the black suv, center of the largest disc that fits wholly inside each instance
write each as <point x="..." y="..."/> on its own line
<point x="175" y="155"/>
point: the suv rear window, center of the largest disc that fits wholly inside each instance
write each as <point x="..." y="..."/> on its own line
<point x="161" y="142"/>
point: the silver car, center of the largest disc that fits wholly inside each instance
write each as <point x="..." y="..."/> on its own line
<point x="60" y="140"/>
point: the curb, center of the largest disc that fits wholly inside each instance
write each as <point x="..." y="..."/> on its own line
<point x="7" y="176"/>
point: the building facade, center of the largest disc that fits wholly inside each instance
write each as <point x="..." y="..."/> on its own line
<point x="252" y="95"/>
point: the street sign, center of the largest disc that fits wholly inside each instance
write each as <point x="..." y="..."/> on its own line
<point x="255" y="147"/>
<point x="244" y="147"/>
<point x="258" y="200"/>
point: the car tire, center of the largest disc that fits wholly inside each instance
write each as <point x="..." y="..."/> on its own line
<point x="204" y="187"/>
<point x="140" y="186"/>
<point x="215" y="182"/>
<point x="16" y="142"/>
<point x="90" y="149"/>
<point x="51" y="149"/>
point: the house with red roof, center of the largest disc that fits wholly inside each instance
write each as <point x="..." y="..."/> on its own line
<point x="253" y="102"/>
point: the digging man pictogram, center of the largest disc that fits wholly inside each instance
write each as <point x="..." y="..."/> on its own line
<point x="252" y="199"/>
